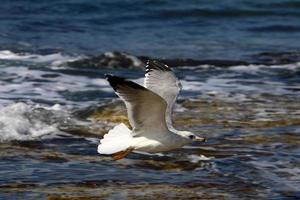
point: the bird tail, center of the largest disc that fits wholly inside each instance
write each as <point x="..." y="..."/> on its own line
<point x="116" y="140"/>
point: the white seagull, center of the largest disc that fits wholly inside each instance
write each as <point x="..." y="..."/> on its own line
<point x="149" y="110"/>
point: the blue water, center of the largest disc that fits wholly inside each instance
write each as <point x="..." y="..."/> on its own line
<point x="232" y="29"/>
<point x="249" y="113"/>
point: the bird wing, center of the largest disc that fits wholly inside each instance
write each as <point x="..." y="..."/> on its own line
<point x="160" y="79"/>
<point x="146" y="110"/>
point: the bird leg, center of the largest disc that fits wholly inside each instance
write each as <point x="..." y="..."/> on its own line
<point x="122" y="154"/>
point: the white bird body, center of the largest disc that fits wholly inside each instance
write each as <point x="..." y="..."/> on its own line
<point x="168" y="141"/>
<point x="149" y="112"/>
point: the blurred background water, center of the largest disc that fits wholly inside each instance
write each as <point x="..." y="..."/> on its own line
<point x="239" y="64"/>
<point x="206" y="29"/>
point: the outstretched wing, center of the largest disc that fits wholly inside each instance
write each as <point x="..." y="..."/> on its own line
<point x="146" y="110"/>
<point x="160" y="79"/>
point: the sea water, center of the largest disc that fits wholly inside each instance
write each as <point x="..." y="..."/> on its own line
<point x="53" y="114"/>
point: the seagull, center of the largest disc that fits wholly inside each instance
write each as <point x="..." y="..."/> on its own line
<point x="149" y="110"/>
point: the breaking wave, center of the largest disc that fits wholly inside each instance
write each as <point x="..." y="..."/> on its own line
<point x="53" y="59"/>
<point x="20" y="121"/>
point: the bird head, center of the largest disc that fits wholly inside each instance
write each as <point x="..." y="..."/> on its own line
<point x="191" y="137"/>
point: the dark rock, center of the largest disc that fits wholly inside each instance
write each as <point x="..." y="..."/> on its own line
<point x="191" y="62"/>
<point x="109" y="60"/>
<point x="124" y="60"/>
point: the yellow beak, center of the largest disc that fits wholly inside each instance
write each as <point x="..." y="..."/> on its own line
<point x="200" y="139"/>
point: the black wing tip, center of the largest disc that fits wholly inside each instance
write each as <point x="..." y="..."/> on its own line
<point x="111" y="77"/>
<point x="116" y="81"/>
<point x="156" y="65"/>
<point x="108" y="77"/>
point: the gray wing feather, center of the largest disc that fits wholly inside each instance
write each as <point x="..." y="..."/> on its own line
<point x="146" y="110"/>
<point x="160" y="79"/>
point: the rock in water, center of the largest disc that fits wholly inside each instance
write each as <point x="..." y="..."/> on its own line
<point x="109" y="60"/>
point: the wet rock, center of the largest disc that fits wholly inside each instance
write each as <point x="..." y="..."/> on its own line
<point x="71" y="191"/>
<point x="109" y="60"/>
<point x="54" y="158"/>
<point x="167" y="166"/>
<point x="112" y="113"/>
<point x="178" y="62"/>
<point x="56" y="197"/>
<point x="124" y="60"/>
<point x="127" y="61"/>
<point x="292" y="139"/>
<point x="217" y="113"/>
<point x="17" y="186"/>
<point x="29" y="144"/>
<point x="253" y="114"/>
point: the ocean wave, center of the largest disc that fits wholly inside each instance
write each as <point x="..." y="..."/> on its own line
<point x="117" y="59"/>
<point x="24" y="121"/>
<point x="257" y="68"/>
<point x="19" y="121"/>
<point x="52" y="59"/>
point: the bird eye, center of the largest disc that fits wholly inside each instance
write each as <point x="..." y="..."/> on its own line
<point x="191" y="137"/>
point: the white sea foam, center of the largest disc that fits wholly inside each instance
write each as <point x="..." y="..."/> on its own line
<point x="16" y="123"/>
<point x="239" y="83"/>
<point x="257" y="68"/>
<point x="26" y="84"/>
<point x="54" y="59"/>
<point x="191" y="85"/>
<point x="294" y="66"/>
<point x="197" y="158"/>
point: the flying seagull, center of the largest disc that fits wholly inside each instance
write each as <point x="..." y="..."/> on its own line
<point x="149" y="110"/>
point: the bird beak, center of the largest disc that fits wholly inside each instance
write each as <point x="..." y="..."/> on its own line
<point x="200" y="139"/>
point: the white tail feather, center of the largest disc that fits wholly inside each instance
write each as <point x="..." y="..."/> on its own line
<point x="117" y="139"/>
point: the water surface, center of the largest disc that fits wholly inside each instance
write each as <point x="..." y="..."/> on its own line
<point x="53" y="114"/>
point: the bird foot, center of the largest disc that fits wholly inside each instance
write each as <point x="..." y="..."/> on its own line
<point x="122" y="154"/>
